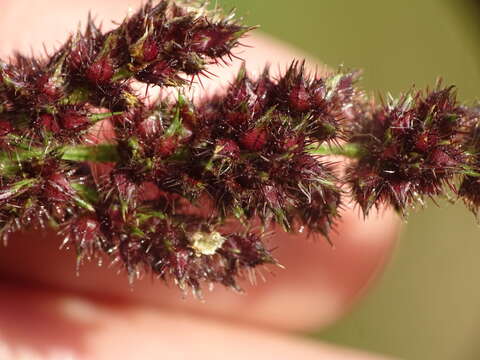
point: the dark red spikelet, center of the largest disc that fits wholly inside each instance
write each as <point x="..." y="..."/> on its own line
<point x="47" y="87"/>
<point x="48" y="123"/>
<point x="469" y="190"/>
<point x="180" y="261"/>
<point x="299" y="98"/>
<point x="84" y="233"/>
<point x="125" y="187"/>
<point x="247" y="250"/>
<point x="322" y="102"/>
<point x="149" y="127"/>
<point x="166" y="146"/>
<point x="150" y="50"/>
<point x="408" y="155"/>
<point x="239" y="98"/>
<point x="227" y="148"/>
<point x="291" y="92"/>
<point x="320" y="214"/>
<point x="88" y="228"/>
<point x="58" y="188"/>
<point x="293" y="143"/>
<point x="133" y="253"/>
<point x="78" y="55"/>
<point x="254" y="139"/>
<point x="100" y="71"/>
<point x="160" y="73"/>
<point x="74" y="120"/>
<point x="5" y="127"/>
<point x="216" y="40"/>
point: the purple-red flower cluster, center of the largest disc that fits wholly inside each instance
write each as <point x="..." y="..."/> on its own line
<point x="259" y="138"/>
<point x="409" y="149"/>
<point x="187" y="192"/>
<point x="186" y="171"/>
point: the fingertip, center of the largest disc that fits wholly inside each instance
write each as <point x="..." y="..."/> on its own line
<point x="52" y="325"/>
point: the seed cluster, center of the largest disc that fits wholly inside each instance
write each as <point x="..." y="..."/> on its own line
<point x="188" y="191"/>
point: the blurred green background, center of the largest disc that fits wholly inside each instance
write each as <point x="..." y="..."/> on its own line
<point x="427" y="304"/>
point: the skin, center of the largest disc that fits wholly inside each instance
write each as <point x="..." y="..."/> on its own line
<point x="48" y="312"/>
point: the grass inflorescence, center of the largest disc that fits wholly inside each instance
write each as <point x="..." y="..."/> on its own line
<point x="187" y="190"/>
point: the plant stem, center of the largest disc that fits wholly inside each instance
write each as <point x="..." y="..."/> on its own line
<point x="351" y="150"/>
<point x="93" y="153"/>
<point x="102" y="153"/>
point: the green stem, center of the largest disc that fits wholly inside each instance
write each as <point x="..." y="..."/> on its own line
<point x="94" y="153"/>
<point x="11" y="162"/>
<point x="101" y="153"/>
<point x="351" y="150"/>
